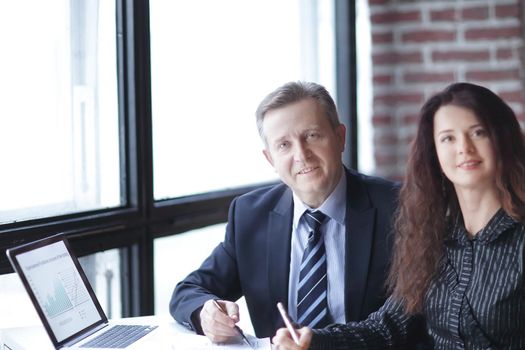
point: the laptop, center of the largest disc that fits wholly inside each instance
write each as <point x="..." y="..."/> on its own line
<point x="64" y="300"/>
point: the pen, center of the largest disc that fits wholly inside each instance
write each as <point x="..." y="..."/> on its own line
<point x="288" y="323"/>
<point x="237" y="328"/>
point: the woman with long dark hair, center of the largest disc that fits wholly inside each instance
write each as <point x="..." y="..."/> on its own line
<point x="459" y="253"/>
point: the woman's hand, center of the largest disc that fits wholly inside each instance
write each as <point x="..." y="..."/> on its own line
<point x="283" y="339"/>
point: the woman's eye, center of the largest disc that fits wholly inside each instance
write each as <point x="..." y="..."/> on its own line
<point x="446" y="139"/>
<point x="479" y="132"/>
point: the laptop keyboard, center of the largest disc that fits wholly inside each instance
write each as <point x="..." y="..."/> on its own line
<point x="119" y="336"/>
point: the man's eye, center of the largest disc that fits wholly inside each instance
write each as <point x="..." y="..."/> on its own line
<point x="282" y="145"/>
<point x="312" y="135"/>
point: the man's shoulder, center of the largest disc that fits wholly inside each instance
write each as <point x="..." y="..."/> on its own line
<point x="264" y="196"/>
<point x="372" y="182"/>
<point x="372" y="191"/>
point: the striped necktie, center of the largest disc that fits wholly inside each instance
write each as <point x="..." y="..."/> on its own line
<point x="312" y="301"/>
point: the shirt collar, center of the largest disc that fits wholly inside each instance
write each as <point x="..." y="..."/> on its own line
<point x="334" y="206"/>
<point x="498" y="224"/>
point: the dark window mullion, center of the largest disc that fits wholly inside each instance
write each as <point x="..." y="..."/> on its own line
<point x="346" y="74"/>
<point x="141" y="155"/>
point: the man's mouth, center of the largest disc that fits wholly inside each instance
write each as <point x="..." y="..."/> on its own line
<point x="306" y="170"/>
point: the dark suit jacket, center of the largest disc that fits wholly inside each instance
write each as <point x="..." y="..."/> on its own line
<point x="254" y="258"/>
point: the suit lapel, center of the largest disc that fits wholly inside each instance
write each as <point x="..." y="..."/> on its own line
<point x="360" y="217"/>
<point x="278" y="248"/>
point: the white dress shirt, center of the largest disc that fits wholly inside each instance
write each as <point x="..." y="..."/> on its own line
<point x="333" y="231"/>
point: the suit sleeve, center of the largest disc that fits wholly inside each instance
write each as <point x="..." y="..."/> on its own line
<point x="216" y="278"/>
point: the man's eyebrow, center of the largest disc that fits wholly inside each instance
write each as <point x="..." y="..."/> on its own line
<point x="279" y="139"/>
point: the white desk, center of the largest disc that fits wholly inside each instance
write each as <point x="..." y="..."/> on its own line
<point x="169" y="336"/>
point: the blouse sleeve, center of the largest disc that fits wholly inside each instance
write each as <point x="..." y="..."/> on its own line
<point x="387" y="328"/>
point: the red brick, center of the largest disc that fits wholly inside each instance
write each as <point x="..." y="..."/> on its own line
<point x="449" y="15"/>
<point x="460" y="55"/>
<point x="504" y="54"/>
<point x="511" y="10"/>
<point x="512" y="96"/>
<point x="383" y="79"/>
<point x="385" y="160"/>
<point x="378" y="2"/>
<point x="381" y="119"/>
<point x="492" y="75"/>
<point x="410" y="119"/>
<point x="520" y="52"/>
<point x="421" y="36"/>
<point x="382" y="38"/>
<point x="430" y="77"/>
<point x="475" y="13"/>
<point x="397" y="57"/>
<point x="493" y="33"/>
<point x="399" y="97"/>
<point x="395" y="17"/>
<point x="407" y="139"/>
<point x="385" y="140"/>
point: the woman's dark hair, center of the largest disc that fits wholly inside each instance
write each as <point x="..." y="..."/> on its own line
<point x="428" y="199"/>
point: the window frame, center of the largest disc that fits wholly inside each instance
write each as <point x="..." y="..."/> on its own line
<point x="133" y="227"/>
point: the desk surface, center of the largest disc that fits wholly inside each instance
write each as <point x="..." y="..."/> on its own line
<point x="169" y="336"/>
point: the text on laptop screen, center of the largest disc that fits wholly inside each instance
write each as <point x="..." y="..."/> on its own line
<point x="59" y="289"/>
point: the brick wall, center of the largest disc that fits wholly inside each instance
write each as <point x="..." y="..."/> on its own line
<point x="419" y="47"/>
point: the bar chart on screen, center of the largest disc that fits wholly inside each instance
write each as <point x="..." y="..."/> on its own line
<point x="66" y="292"/>
<point x="58" y="288"/>
<point x="58" y="302"/>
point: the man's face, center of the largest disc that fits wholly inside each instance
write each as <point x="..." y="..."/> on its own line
<point x="304" y="149"/>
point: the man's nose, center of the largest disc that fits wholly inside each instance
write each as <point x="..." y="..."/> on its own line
<point x="302" y="152"/>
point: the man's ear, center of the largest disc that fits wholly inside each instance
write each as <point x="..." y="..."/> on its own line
<point x="268" y="156"/>
<point x="341" y="132"/>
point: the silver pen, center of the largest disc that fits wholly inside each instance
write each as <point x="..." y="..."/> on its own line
<point x="237" y="328"/>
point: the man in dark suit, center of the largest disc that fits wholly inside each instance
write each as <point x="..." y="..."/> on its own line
<point x="267" y="234"/>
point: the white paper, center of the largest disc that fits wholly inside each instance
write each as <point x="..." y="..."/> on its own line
<point x="198" y="342"/>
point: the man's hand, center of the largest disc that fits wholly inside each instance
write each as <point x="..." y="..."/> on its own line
<point x="283" y="339"/>
<point x="216" y="324"/>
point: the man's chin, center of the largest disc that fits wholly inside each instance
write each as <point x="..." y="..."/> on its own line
<point x="311" y="190"/>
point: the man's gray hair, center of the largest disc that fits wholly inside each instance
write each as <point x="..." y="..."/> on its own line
<point x="294" y="92"/>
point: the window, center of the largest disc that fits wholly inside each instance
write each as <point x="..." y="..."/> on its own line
<point x="129" y="126"/>
<point x="103" y="272"/>
<point x="364" y="89"/>
<point x="212" y="62"/>
<point x="177" y="256"/>
<point x="59" y="128"/>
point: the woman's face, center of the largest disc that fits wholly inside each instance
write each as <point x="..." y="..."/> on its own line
<point x="464" y="149"/>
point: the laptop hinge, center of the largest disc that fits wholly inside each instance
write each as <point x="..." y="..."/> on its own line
<point x="84" y="335"/>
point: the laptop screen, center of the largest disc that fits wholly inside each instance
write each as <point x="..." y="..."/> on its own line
<point x="58" y="288"/>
